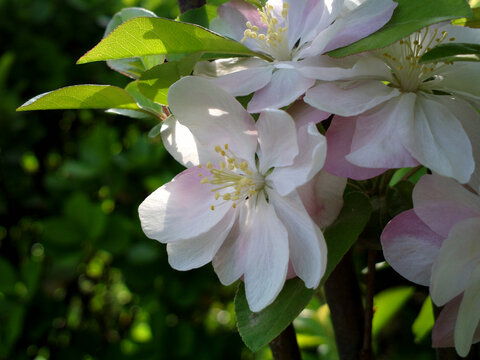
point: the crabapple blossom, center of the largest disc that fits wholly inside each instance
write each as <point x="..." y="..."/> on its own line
<point x="286" y="33"/>
<point x="397" y="112"/>
<point x="238" y="204"/>
<point x="437" y="244"/>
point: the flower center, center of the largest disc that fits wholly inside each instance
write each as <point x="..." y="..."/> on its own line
<point x="403" y="59"/>
<point x="275" y="40"/>
<point x="233" y="179"/>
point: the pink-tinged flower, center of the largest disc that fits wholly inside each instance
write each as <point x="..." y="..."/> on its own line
<point x="237" y="204"/>
<point x="437" y="244"/>
<point x="287" y="32"/>
<point x="395" y="112"/>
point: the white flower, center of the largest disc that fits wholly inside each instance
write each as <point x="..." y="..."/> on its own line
<point x="237" y="204"/>
<point x="394" y="112"/>
<point x="287" y="32"/>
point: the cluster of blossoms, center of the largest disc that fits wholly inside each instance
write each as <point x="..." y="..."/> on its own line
<point x="256" y="193"/>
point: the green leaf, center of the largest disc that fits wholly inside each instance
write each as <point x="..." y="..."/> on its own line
<point x="343" y="233"/>
<point x="424" y="321"/>
<point x="387" y="304"/>
<point x="452" y="52"/>
<point x="133" y="67"/>
<point x="200" y="16"/>
<point x="258" y="329"/>
<point x="86" y="215"/>
<point x="154" y="36"/>
<point x="8" y="277"/>
<point x="408" y="17"/>
<point x="58" y="231"/>
<point x="143" y="102"/>
<point x="81" y="97"/>
<point x="154" y="84"/>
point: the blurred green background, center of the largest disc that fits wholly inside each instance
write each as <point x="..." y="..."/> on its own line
<point x="78" y="278"/>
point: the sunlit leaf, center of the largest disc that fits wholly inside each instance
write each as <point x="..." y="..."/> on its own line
<point x="81" y="97"/>
<point x="154" y="36"/>
<point x="452" y="52"/>
<point x="387" y="303"/>
<point x="408" y="17"/>
<point x="424" y="321"/>
<point x="258" y="329"/>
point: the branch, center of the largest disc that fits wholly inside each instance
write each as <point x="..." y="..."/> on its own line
<point x="346" y="309"/>
<point x="186" y="5"/>
<point x="285" y="346"/>
<point x="366" y="353"/>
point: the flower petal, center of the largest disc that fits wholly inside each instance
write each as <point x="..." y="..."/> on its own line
<point x="213" y="116"/>
<point x="379" y="135"/>
<point x="277" y="137"/>
<point x="349" y="98"/>
<point x="267" y="256"/>
<point x="180" y="209"/>
<point x="237" y="76"/>
<point x="410" y="247"/>
<point x="437" y="139"/>
<point x="362" y="21"/>
<point x="303" y="114"/>
<point x="310" y="159"/>
<point x="307" y="247"/>
<point x="339" y="139"/>
<point x="458" y="257"/>
<point x="461" y="79"/>
<point x="200" y="250"/>
<point x="348" y="68"/>
<point x="286" y="85"/>
<point x="468" y="314"/>
<point x="442" y="332"/>
<point x="442" y="202"/>
<point x="323" y="197"/>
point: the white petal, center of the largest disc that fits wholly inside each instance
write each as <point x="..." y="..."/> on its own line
<point x="323" y="197"/>
<point x="349" y="68"/>
<point x="468" y="314"/>
<point x="229" y="262"/>
<point x="277" y="137"/>
<point x="410" y="247"/>
<point x="267" y="256"/>
<point x="286" y="86"/>
<point x="362" y="21"/>
<point x="437" y="140"/>
<point x="458" y="256"/>
<point x="442" y="202"/>
<point x="303" y="114"/>
<point x="462" y="34"/>
<point x="349" y="98"/>
<point x="180" y="209"/>
<point x="200" y="250"/>
<point x="310" y="159"/>
<point x="462" y="79"/>
<point x="237" y="76"/>
<point x="308" y="250"/>
<point x="213" y="116"/>
<point x="379" y="135"/>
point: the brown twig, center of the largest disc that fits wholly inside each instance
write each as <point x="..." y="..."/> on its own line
<point x="366" y="353"/>
<point x="285" y="346"/>
<point x="346" y="309"/>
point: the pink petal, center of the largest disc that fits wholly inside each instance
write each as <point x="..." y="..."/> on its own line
<point x="410" y="247"/>
<point x="442" y="332"/>
<point x="441" y="203"/>
<point x="286" y="86"/>
<point x="339" y="139"/>
<point x="180" y="209"/>
<point x="303" y="114"/>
